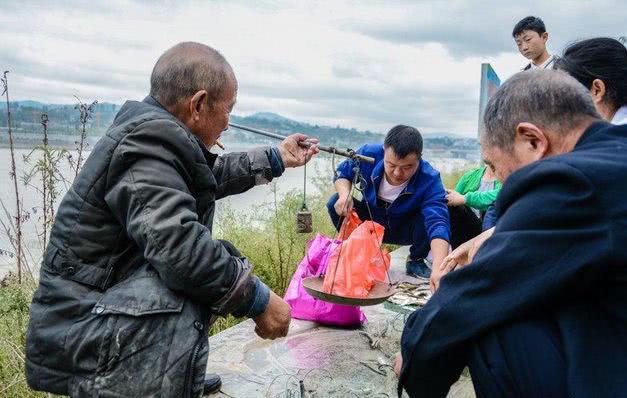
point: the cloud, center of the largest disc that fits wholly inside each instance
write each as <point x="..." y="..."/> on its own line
<point x="368" y="65"/>
<point x="484" y="28"/>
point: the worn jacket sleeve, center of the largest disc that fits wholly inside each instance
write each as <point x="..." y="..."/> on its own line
<point x="435" y="211"/>
<point x="551" y="242"/>
<point x="150" y="195"/>
<point x="237" y="172"/>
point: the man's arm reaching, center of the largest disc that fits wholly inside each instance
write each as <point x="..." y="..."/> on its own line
<point x="237" y="172"/>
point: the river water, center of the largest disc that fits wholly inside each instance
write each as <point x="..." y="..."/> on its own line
<point x="249" y="201"/>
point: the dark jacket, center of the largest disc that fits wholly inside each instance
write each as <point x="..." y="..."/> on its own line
<point x="558" y="252"/>
<point x="423" y="200"/>
<point x="132" y="278"/>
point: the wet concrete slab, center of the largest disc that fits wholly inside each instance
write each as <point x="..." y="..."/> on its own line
<point x="315" y="360"/>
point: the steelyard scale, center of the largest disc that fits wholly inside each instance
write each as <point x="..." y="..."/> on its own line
<point x="381" y="291"/>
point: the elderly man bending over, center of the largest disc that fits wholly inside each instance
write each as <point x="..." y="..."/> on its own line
<point x="132" y="278"/>
<point x="542" y="309"/>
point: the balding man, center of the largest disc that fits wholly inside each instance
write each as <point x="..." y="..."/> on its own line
<point x="542" y="309"/>
<point x="132" y="278"/>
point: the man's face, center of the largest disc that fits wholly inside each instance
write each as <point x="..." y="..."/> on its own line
<point x="530" y="144"/>
<point x="399" y="170"/>
<point x="531" y="44"/>
<point x="215" y="119"/>
<point x="500" y="162"/>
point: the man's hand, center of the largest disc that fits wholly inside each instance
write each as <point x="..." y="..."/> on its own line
<point x="398" y="364"/>
<point x="454" y="198"/>
<point x="275" y="321"/>
<point x="294" y="155"/>
<point x="437" y="272"/>
<point x="464" y="254"/>
<point x="477" y="242"/>
<point x="439" y="251"/>
<point x="344" y="205"/>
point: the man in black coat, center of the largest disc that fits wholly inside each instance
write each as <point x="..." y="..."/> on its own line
<point x="541" y="311"/>
<point x="132" y="278"/>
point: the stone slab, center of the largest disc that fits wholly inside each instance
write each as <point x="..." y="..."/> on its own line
<point x="315" y="360"/>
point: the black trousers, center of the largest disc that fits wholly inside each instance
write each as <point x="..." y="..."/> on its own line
<point x="519" y="360"/>
<point x="465" y="224"/>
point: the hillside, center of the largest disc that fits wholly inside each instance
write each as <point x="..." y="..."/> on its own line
<point x="64" y="125"/>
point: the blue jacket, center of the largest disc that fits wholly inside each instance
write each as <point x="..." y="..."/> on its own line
<point x="559" y="252"/>
<point x="422" y="201"/>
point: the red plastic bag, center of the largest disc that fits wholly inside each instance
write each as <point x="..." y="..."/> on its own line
<point x="350" y="223"/>
<point x="357" y="263"/>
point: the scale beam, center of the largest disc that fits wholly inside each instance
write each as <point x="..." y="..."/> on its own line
<point x="346" y="153"/>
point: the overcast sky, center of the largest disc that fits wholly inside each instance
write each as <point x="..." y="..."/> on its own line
<point x="362" y="64"/>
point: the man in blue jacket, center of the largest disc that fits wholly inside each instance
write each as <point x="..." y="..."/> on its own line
<point x="541" y="311"/>
<point x="402" y="192"/>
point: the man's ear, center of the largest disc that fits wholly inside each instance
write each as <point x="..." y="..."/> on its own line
<point x="545" y="36"/>
<point x="597" y="90"/>
<point x="196" y="104"/>
<point x="531" y="141"/>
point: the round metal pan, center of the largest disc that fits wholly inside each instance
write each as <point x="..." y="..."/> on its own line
<point x="380" y="292"/>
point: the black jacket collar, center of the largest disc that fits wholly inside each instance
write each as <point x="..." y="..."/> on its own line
<point x="589" y="133"/>
<point x="210" y="157"/>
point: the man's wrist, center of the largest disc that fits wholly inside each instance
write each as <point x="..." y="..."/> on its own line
<point x="439" y="250"/>
<point x="437" y="261"/>
<point x="344" y="195"/>
<point x="258" y="302"/>
<point x="276" y="162"/>
<point x="344" y="189"/>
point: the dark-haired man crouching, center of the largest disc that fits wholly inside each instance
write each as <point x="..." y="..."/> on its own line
<point x="404" y="193"/>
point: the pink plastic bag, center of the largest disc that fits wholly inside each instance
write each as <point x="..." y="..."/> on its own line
<point x="308" y="308"/>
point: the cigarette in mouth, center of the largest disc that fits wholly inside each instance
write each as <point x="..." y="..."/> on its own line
<point x="219" y="144"/>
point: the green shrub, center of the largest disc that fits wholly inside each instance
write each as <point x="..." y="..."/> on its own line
<point x="14" y="301"/>
<point x="450" y="179"/>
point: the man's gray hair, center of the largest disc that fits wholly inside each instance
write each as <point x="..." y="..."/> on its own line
<point x="549" y="99"/>
<point x="187" y="68"/>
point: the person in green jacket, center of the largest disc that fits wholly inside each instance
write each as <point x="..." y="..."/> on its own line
<point x="471" y="203"/>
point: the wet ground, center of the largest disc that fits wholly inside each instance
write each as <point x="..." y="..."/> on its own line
<point x="317" y="361"/>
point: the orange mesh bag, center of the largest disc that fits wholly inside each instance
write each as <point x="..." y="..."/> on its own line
<point x="361" y="263"/>
<point x="349" y="224"/>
